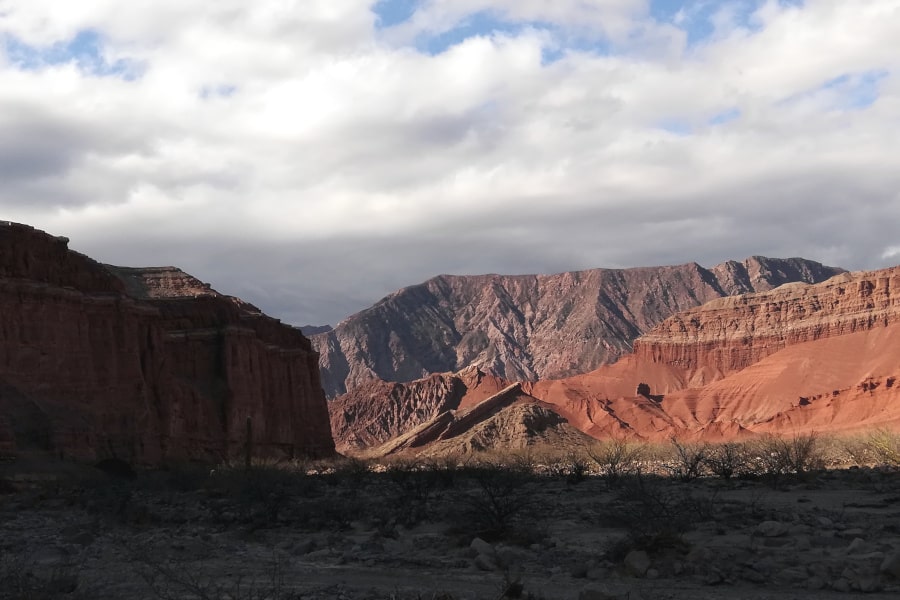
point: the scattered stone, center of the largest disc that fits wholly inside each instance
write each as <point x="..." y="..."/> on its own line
<point x="485" y="563"/>
<point x="303" y="547"/>
<point x="637" y="562"/>
<point x="891" y="565"/>
<point x="825" y="522"/>
<point x="771" y="529"/>
<point x="815" y="583"/>
<point x="857" y="546"/>
<point x="481" y="547"/>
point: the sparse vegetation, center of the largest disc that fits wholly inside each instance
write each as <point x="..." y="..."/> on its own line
<point x="689" y="460"/>
<point x="616" y="458"/>
<point x="781" y="458"/>
<point x="425" y="513"/>
<point x="885" y="445"/>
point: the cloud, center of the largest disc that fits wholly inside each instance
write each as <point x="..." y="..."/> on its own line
<point x="312" y="156"/>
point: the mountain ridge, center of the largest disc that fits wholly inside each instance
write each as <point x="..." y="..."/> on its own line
<point x="529" y="327"/>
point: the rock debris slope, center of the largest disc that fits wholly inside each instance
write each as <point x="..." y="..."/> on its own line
<point x="531" y="327"/>
<point x="145" y="365"/>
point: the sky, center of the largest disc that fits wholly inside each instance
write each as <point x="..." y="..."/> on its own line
<point x="312" y="156"/>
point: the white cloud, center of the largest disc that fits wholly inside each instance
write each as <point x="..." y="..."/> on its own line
<point x="299" y="130"/>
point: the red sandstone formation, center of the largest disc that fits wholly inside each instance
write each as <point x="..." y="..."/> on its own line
<point x="146" y="365"/>
<point x="530" y="327"/>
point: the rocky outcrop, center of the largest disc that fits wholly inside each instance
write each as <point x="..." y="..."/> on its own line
<point x="531" y="326"/>
<point x="730" y="334"/>
<point x="145" y="365"/>
<point x="508" y="419"/>
<point x="378" y="411"/>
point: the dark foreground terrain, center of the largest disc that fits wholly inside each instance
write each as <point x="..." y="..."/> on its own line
<point x="529" y="527"/>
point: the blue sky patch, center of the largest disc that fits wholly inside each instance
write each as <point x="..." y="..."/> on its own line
<point x="394" y="12"/>
<point x="85" y="50"/>
<point x="725" y="116"/>
<point x="679" y="127"/>
<point x="858" y="91"/>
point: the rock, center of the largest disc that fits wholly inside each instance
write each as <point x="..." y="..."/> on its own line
<point x="138" y="363"/>
<point x="485" y="563"/>
<point x="771" y="529"/>
<point x="302" y="547"/>
<point x="792" y="576"/>
<point x="857" y="546"/>
<point x="479" y="546"/>
<point x="597" y="592"/>
<point x="815" y="583"/>
<point x="637" y="562"/>
<point x="578" y="571"/>
<point x="761" y="324"/>
<point x="891" y="565"/>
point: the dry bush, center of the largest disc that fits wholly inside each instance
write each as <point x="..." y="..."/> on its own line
<point x="884" y="444"/>
<point x="616" y="459"/>
<point x="689" y="460"/>
<point x="500" y="500"/>
<point x="728" y="460"/>
<point x="779" y="458"/>
<point x="258" y="495"/>
<point x="413" y="486"/>
<point x="656" y="513"/>
<point x="24" y="579"/>
<point x="173" y="580"/>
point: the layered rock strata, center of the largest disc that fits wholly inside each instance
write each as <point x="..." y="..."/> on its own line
<point x="146" y="365"/>
<point x="730" y="334"/>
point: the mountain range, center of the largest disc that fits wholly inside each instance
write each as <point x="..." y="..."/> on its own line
<point x="798" y="358"/>
<point x="530" y="327"/>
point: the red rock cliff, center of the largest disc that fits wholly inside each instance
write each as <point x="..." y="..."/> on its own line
<point x="732" y="333"/>
<point x="144" y="364"/>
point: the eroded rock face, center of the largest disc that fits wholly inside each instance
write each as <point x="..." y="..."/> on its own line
<point x="145" y="365"/>
<point x="530" y="327"/>
<point x="378" y="411"/>
<point x="730" y="334"/>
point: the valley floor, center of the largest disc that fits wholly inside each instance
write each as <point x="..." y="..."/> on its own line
<point x="438" y="533"/>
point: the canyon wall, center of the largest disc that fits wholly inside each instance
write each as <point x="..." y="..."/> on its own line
<point x="530" y="327"/>
<point x="730" y="334"/>
<point x="146" y="365"/>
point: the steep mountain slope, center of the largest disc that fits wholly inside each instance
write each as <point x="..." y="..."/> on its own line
<point x="530" y="327"/>
<point x="145" y="365"/>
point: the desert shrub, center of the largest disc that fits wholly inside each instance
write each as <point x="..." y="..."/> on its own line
<point x="616" y="458"/>
<point x="414" y="486"/>
<point x="173" y="580"/>
<point x="355" y="473"/>
<point x="23" y="579"/>
<point x="577" y="468"/>
<point x="728" y="460"/>
<point x="884" y="445"/>
<point x="500" y="499"/>
<point x="780" y="458"/>
<point x="656" y="514"/>
<point x="257" y="495"/>
<point x="688" y="460"/>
